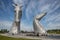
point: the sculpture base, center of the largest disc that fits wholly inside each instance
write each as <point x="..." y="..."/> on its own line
<point x="14" y="30"/>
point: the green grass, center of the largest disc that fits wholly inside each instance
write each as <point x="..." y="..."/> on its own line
<point x="10" y="38"/>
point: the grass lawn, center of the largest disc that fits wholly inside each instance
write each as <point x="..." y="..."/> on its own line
<point x="10" y="38"/>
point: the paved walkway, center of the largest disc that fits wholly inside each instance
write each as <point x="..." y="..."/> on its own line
<point x="33" y="37"/>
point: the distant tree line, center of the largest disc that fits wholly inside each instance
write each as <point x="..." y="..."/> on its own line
<point x="22" y="31"/>
<point x="4" y="31"/>
<point x="55" y="31"/>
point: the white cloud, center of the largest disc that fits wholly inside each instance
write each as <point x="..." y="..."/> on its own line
<point x="2" y="6"/>
<point x="19" y="2"/>
<point x="5" y="24"/>
<point x="53" y="25"/>
<point x="29" y="10"/>
<point x="54" y="4"/>
<point x="45" y="8"/>
<point x="53" y="17"/>
<point x="53" y="22"/>
<point x="26" y="26"/>
<point x="56" y="7"/>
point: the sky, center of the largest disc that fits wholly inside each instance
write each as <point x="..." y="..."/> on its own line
<point x="30" y="9"/>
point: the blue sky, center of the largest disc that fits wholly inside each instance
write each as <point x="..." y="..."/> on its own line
<point x="30" y="9"/>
